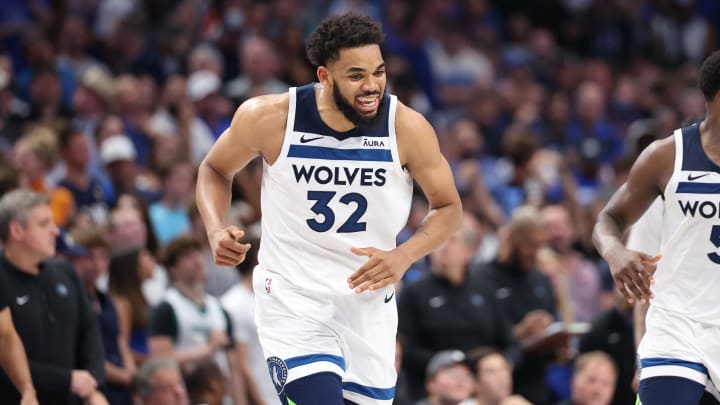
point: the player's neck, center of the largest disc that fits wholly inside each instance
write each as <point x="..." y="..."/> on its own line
<point x="329" y="112"/>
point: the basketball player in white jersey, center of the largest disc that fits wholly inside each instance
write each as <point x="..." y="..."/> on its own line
<point x="339" y="158"/>
<point x="679" y="354"/>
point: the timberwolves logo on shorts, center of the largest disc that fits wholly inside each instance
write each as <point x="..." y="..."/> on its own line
<point x="278" y="372"/>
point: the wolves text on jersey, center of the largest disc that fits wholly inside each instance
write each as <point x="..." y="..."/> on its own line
<point x="338" y="175"/>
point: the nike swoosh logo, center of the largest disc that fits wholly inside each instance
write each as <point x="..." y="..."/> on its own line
<point x="691" y="177"/>
<point x="22" y="300"/>
<point x="387" y="299"/>
<point x="306" y="140"/>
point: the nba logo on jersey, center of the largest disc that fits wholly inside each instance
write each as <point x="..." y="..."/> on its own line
<point x="268" y="281"/>
<point x="278" y="372"/>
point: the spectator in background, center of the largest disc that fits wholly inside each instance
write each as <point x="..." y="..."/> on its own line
<point x="239" y="303"/>
<point x="46" y="104"/>
<point x="260" y="70"/>
<point x="169" y="217"/>
<point x="128" y="228"/>
<point x="458" y="67"/>
<point x="128" y="268"/>
<point x="89" y="193"/>
<point x="220" y="279"/>
<point x="190" y="324"/>
<point x="576" y="280"/>
<point x="34" y="156"/>
<point x="493" y="378"/>
<point x="520" y="147"/>
<point x="159" y="382"/>
<point x="612" y="332"/>
<point x="93" y="98"/>
<point x="13" y="111"/>
<point x="593" y="380"/>
<point x="89" y="257"/>
<point x="204" y="381"/>
<point x="526" y="297"/>
<point x="209" y="115"/>
<point x="448" y="309"/>
<point x="51" y="313"/>
<point x="448" y="379"/>
<point x="73" y="43"/>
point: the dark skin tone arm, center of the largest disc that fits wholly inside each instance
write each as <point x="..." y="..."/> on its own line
<point x="632" y="270"/>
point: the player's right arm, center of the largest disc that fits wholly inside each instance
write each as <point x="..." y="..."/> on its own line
<point x="257" y="129"/>
<point x="630" y="269"/>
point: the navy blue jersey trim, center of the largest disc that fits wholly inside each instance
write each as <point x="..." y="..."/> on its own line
<point x="320" y="152"/>
<point x="694" y="157"/>
<point x="307" y="118"/>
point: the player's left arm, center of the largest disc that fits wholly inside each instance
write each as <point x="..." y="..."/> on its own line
<point x="420" y="154"/>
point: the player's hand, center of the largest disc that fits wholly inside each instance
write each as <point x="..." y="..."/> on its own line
<point x="226" y="247"/>
<point x="82" y="383"/>
<point x="633" y="273"/>
<point x="382" y="268"/>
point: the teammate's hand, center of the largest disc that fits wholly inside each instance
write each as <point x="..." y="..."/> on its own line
<point x="382" y="268"/>
<point x="633" y="273"/>
<point x="226" y="247"/>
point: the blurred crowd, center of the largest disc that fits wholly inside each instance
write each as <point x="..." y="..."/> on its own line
<point x="541" y="106"/>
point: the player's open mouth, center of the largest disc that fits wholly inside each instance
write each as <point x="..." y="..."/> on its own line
<point x="367" y="104"/>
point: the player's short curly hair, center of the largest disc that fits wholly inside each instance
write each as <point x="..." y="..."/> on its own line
<point x="709" y="81"/>
<point x="341" y="32"/>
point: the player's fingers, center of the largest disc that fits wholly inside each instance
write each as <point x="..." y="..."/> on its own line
<point x="366" y="251"/>
<point x="651" y="259"/>
<point x="636" y="291"/>
<point x="235" y="233"/>
<point x="366" y="278"/>
<point x="234" y="246"/>
<point x="625" y="292"/>
<point x="228" y="260"/>
<point x="370" y="282"/>
<point x="643" y="279"/>
<point x="356" y="276"/>
<point x="381" y="283"/>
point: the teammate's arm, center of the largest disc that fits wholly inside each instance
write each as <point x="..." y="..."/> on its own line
<point x="631" y="270"/>
<point x="420" y="153"/>
<point x="254" y="131"/>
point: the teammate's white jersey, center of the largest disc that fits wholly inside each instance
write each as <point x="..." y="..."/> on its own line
<point x="688" y="275"/>
<point x="328" y="191"/>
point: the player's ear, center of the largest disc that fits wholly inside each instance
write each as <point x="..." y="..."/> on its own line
<point x="323" y="75"/>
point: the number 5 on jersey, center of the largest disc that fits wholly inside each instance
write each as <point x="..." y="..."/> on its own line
<point x="323" y="198"/>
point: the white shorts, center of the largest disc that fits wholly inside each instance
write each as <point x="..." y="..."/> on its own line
<point x="674" y="345"/>
<point x="306" y="333"/>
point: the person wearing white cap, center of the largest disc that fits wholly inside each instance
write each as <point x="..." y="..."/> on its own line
<point x="203" y="90"/>
<point x="118" y="155"/>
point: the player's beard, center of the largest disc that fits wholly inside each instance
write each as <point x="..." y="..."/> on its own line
<point x="362" y="121"/>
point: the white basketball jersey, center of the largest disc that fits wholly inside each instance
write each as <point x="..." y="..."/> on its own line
<point x="688" y="275"/>
<point x="328" y="191"/>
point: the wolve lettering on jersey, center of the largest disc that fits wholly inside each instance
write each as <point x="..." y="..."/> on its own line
<point x="329" y="191"/>
<point x="688" y="276"/>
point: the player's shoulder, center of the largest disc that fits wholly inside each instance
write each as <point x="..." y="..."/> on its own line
<point x="660" y="149"/>
<point x="265" y="109"/>
<point x="408" y="118"/>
